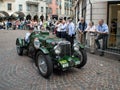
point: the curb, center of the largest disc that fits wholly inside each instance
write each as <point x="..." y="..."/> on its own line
<point x="109" y="55"/>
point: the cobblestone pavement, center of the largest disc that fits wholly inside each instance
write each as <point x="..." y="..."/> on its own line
<point x="20" y="73"/>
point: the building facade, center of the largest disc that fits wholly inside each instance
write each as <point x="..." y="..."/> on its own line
<point x="61" y="8"/>
<point x="23" y="7"/>
<point x="52" y="9"/>
<point x="109" y="10"/>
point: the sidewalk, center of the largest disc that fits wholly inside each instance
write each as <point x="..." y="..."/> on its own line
<point x="108" y="54"/>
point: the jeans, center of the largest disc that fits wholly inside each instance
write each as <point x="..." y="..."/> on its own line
<point x="104" y="38"/>
<point x="70" y="39"/>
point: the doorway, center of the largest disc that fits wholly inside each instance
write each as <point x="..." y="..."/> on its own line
<point x="114" y="24"/>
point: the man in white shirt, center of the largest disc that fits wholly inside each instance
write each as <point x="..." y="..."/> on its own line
<point x="27" y="35"/>
<point x="71" y="32"/>
<point x="59" y="26"/>
<point x="63" y="29"/>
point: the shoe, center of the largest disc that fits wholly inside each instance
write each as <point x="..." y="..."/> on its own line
<point x="102" y="54"/>
<point x="92" y="52"/>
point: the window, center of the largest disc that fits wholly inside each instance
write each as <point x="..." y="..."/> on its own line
<point x="20" y="7"/>
<point x="42" y="9"/>
<point x="114" y="24"/>
<point x="46" y="10"/>
<point x="84" y="3"/>
<point x="48" y="1"/>
<point x="9" y="6"/>
<point x="50" y="10"/>
<point x="36" y="8"/>
<point x="57" y="2"/>
<point x="57" y="10"/>
<point x="28" y="7"/>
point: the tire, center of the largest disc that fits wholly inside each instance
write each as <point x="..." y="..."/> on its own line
<point x="19" y="50"/>
<point x="44" y="64"/>
<point x="83" y="57"/>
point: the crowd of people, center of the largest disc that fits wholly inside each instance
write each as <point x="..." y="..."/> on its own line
<point x="16" y="24"/>
<point x="94" y="34"/>
<point x="66" y="29"/>
<point x="84" y="32"/>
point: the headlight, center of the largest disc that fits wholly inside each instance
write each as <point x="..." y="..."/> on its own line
<point x="57" y="49"/>
<point x="36" y="43"/>
<point x="76" y="47"/>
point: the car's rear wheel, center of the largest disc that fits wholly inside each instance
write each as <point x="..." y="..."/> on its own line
<point x="19" y="50"/>
<point x="81" y="54"/>
<point x="44" y="64"/>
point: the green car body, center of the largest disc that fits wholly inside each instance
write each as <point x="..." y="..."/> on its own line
<point x="50" y="52"/>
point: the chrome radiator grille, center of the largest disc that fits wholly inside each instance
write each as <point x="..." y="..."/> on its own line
<point x="65" y="48"/>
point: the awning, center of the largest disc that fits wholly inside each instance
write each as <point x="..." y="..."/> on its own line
<point x="21" y="14"/>
<point x="18" y="14"/>
<point x="4" y="14"/>
<point x="15" y="15"/>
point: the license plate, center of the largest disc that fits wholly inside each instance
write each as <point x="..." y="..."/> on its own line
<point x="77" y="62"/>
<point x="65" y="65"/>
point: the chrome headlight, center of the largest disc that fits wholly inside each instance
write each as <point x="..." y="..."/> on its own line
<point x="36" y="43"/>
<point x="57" y="49"/>
<point x="76" y="47"/>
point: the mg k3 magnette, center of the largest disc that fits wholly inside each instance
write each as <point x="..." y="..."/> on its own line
<point x="50" y="53"/>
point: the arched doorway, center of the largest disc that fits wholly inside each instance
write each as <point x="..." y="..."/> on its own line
<point x="18" y="15"/>
<point x="4" y="14"/>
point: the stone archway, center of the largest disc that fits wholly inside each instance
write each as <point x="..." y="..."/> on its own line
<point x="4" y="14"/>
<point x="18" y="14"/>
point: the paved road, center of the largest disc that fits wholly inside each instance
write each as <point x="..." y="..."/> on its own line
<point x="20" y="73"/>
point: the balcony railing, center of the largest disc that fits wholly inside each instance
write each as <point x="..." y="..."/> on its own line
<point x="48" y="1"/>
<point x="32" y="1"/>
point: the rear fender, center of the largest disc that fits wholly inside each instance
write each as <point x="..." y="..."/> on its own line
<point x="19" y="42"/>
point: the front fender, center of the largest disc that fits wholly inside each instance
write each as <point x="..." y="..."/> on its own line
<point x="44" y="50"/>
<point x="81" y="46"/>
<point x="19" y="42"/>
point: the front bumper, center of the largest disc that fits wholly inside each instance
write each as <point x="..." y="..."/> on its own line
<point x="67" y="62"/>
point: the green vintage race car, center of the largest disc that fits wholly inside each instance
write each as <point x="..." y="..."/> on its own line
<point x="51" y="53"/>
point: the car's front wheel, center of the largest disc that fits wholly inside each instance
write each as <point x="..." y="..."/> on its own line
<point x="82" y="55"/>
<point x="44" y="64"/>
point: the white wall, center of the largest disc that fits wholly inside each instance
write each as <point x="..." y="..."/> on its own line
<point x="42" y="4"/>
<point x="99" y="11"/>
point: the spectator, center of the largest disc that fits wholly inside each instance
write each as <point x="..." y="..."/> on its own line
<point x="71" y="32"/>
<point x="40" y="24"/>
<point x="2" y="25"/>
<point x="22" y="24"/>
<point x="63" y="29"/>
<point x="59" y="26"/>
<point x="102" y="31"/>
<point x="91" y="29"/>
<point x="81" y="31"/>
<point x="28" y="35"/>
